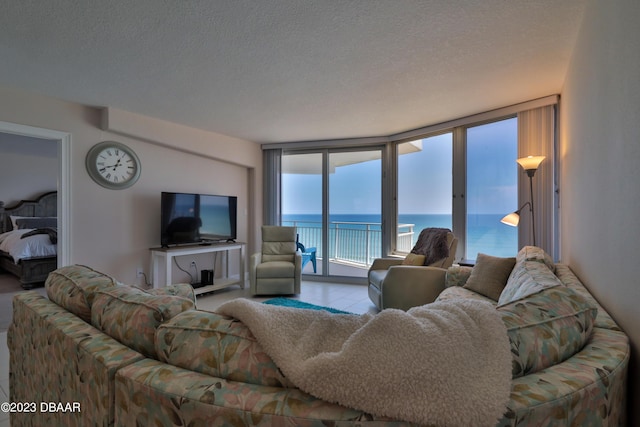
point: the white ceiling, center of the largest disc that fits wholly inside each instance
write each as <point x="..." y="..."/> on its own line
<point x="290" y="70"/>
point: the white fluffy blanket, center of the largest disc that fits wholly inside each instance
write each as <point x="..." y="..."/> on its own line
<point x="442" y="364"/>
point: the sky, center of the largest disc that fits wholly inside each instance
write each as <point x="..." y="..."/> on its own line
<point x="424" y="181"/>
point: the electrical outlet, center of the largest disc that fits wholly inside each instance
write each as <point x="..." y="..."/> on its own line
<point x="139" y="272"/>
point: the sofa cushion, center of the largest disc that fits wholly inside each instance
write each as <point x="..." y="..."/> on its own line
<point x="454" y="292"/>
<point x="275" y="269"/>
<point x="183" y="290"/>
<point x="527" y="278"/>
<point x="570" y="280"/>
<point x="216" y="345"/>
<point x="547" y="328"/>
<point x="489" y="276"/>
<point x="131" y="315"/>
<point x="73" y="288"/>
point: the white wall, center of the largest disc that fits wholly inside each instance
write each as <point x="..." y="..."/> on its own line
<point x="599" y="157"/>
<point x="113" y="230"/>
<point x="28" y="168"/>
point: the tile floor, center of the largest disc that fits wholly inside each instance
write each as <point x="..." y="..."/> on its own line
<point x="347" y="297"/>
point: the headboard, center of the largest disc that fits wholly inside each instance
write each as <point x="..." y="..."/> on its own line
<point x="45" y="205"/>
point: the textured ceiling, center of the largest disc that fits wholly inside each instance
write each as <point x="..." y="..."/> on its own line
<point x="290" y="70"/>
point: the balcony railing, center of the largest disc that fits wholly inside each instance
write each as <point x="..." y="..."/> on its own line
<point x="355" y="243"/>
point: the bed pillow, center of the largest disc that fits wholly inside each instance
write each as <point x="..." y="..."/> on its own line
<point x="22" y="223"/>
<point x="489" y="276"/>
<point x="14" y="218"/>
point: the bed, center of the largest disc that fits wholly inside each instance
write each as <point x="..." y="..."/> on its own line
<point x="28" y="239"/>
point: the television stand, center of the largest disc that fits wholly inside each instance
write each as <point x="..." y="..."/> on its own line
<point x="162" y="261"/>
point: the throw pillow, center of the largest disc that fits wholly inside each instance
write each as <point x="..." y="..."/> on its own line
<point x="527" y="278"/>
<point x="547" y="328"/>
<point x="534" y="253"/>
<point x="489" y="276"/>
<point x="413" y="259"/>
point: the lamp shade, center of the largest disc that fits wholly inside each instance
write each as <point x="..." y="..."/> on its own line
<point x="530" y="162"/>
<point x="512" y="219"/>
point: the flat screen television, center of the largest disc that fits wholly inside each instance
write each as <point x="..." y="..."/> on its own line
<point x="197" y="218"/>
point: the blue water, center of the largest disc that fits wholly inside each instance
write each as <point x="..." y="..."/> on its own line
<point x="485" y="233"/>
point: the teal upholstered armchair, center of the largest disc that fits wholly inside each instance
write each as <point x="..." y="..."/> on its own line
<point x="277" y="269"/>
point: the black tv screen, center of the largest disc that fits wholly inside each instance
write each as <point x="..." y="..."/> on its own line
<point x="197" y="218"/>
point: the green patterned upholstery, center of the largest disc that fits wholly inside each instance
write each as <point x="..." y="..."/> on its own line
<point x="73" y="288"/>
<point x="55" y="356"/>
<point x="547" y="328"/>
<point x="216" y="345"/>
<point x="131" y="315"/>
<point x="570" y="359"/>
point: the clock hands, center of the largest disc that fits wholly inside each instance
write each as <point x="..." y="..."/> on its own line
<point x="114" y="166"/>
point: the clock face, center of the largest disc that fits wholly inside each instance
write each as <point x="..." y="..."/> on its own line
<point x="113" y="165"/>
<point x="116" y="165"/>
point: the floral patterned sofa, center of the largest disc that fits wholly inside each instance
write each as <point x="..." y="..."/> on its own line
<point x="129" y="357"/>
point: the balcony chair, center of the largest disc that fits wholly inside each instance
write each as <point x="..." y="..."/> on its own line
<point x="308" y="254"/>
<point x="277" y="268"/>
<point x="395" y="283"/>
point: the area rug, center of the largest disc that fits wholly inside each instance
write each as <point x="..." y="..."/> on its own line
<point x="288" y="302"/>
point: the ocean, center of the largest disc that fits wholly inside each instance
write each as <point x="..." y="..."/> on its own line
<point x="356" y="237"/>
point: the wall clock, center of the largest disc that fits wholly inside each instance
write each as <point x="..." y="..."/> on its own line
<point x="113" y="165"/>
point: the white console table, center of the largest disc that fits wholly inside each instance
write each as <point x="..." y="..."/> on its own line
<point x="162" y="258"/>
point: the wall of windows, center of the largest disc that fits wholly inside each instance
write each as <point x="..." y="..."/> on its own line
<point x="483" y="159"/>
<point x="460" y="175"/>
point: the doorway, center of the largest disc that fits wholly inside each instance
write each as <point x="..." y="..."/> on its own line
<point x="63" y="141"/>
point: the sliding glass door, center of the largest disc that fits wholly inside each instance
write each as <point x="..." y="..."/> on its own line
<point x="333" y="197"/>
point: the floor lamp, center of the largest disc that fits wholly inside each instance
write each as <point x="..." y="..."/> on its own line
<point x="530" y="165"/>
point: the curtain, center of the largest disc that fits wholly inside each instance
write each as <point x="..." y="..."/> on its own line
<point x="536" y="137"/>
<point x="272" y="168"/>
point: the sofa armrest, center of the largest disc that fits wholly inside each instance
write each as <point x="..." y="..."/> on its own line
<point x="385" y="263"/>
<point x="457" y="275"/>
<point x="57" y="357"/>
<point x="408" y="286"/>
